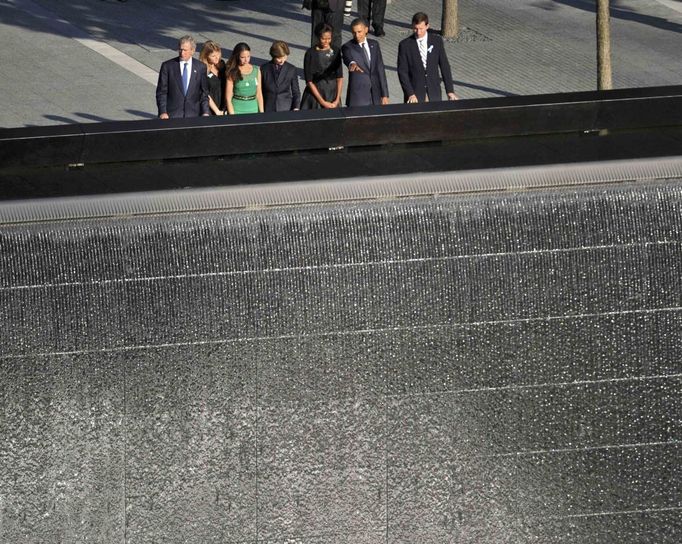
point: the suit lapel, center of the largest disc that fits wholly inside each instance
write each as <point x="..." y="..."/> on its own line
<point x="284" y="74"/>
<point x="178" y="74"/>
<point x="273" y="74"/>
<point x="363" y="58"/>
<point x="372" y="53"/>
<point x="415" y="50"/>
<point x="194" y="74"/>
<point x="269" y="72"/>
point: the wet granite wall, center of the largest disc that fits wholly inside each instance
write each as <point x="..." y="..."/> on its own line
<point x="466" y="369"/>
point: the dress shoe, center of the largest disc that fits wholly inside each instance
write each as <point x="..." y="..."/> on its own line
<point x="378" y="32"/>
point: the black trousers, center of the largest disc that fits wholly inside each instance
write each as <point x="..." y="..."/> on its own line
<point x="333" y="19"/>
<point x="373" y="12"/>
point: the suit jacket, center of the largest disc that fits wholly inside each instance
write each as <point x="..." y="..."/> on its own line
<point x="413" y="78"/>
<point x="280" y="93"/>
<point x="369" y="86"/>
<point x="170" y="97"/>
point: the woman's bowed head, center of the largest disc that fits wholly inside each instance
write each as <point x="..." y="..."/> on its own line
<point x="243" y="93"/>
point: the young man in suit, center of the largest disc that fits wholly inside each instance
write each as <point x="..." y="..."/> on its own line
<point x="280" y="81"/>
<point x="329" y="12"/>
<point x="367" y="83"/>
<point x="420" y="57"/>
<point x="182" y="90"/>
<point x="374" y="11"/>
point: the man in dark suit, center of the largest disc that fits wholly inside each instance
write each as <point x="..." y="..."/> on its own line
<point x="373" y="11"/>
<point x="367" y="83"/>
<point x="419" y="58"/>
<point x="326" y="11"/>
<point x="182" y="90"/>
<point x="280" y="81"/>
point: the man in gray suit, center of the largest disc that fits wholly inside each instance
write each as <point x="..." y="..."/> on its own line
<point x="367" y="83"/>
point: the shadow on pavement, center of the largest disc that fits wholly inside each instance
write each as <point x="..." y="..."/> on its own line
<point x="625" y="14"/>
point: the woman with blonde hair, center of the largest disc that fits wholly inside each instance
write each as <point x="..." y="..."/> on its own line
<point x="211" y="55"/>
<point x="243" y="93"/>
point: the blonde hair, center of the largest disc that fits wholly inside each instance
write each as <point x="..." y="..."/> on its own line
<point x="209" y="47"/>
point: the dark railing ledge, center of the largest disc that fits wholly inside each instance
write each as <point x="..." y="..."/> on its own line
<point x="126" y="141"/>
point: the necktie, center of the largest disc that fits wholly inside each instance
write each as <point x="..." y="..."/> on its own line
<point x="185" y="78"/>
<point x="365" y="50"/>
<point x="422" y="51"/>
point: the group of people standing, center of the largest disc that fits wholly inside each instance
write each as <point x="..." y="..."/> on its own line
<point x="210" y="86"/>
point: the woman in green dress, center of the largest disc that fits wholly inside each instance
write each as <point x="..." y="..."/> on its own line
<point x="243" y="90"/>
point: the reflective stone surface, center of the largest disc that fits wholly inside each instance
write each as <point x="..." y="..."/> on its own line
<point x="490" y="368"/>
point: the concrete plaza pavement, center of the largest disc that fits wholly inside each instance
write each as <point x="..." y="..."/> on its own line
<point x="96" y="60"/>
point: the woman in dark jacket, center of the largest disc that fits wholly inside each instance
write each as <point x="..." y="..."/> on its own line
<point x="211" y="56"/>
<point x="280" y="81"/>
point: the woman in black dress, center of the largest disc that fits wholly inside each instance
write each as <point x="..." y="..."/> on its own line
<point x="211" y="56"/>
<point x="323" y="73"/>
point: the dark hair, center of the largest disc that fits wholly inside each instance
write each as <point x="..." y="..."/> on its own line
<point x="420" y="17"/>
<point x="233" y="72"/>
<point x="358" y="21"/>
<point x="322" y="28"/>
<point x="279" y="49"/>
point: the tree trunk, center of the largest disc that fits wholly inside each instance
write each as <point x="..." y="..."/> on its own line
<point x="450" y="21"/>
<point x="603" y="46"/>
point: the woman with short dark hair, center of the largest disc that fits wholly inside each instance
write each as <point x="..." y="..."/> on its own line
<point x="323" y="73"/>
<point x="280" y="81"/>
